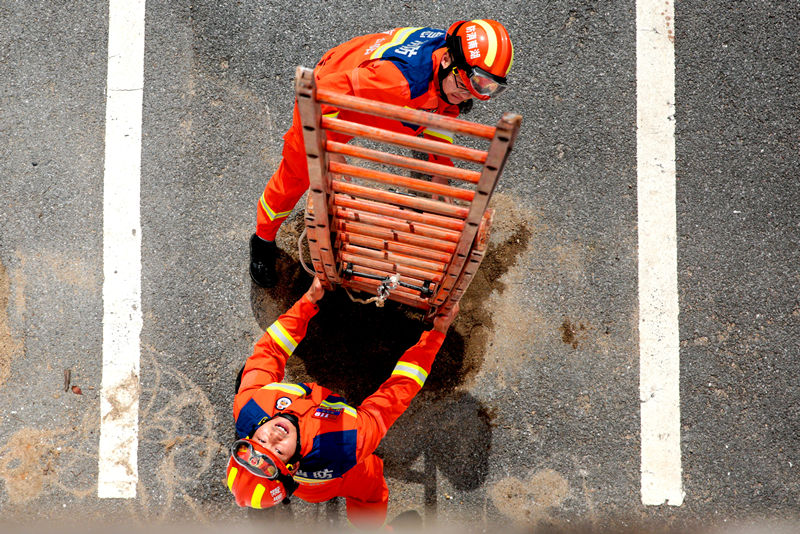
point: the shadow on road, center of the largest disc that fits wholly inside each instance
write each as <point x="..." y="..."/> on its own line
<point x="352" y="348"/>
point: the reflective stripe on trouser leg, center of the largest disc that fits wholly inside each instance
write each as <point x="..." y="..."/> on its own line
<point x="286" y="186"/>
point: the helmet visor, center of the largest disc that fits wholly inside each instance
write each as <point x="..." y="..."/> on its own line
<point x="486" y="84"/>
<point x="261" y="464"/>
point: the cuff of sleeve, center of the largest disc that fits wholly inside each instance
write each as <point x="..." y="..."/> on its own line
<point x="307" y="308"/>
<point x="434" y="337"/>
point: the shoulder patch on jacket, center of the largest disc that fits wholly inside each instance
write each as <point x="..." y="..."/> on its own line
<point x="411" y="49"/>
<point x="251" y="416"/>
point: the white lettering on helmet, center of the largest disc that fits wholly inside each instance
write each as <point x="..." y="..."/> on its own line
<point x="472" y="42"/>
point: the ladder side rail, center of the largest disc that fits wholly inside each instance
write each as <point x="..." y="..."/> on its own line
<point x="507" y="128"/>
<point x="471" y="267"/>
<point x="313" y="247"/>
<point x="413" y="116"/>
<point x="313" y="138"/>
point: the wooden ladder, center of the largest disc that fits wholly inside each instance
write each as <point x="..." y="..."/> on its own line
<point x="370" y="230"/>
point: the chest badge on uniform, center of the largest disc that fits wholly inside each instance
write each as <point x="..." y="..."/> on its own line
<point x="327" y="413"/>
<point x="283" y="403"/>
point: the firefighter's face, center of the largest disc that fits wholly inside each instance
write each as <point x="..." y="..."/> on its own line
<point x="453" y="85"/>
<point x="279" y="436"/>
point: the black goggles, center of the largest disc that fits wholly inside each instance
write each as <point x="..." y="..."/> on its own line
<point x="258" y="463"/>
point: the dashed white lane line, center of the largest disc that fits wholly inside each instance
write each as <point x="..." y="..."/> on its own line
<point x="122" y="265"/>
<point x="659" y="369"/>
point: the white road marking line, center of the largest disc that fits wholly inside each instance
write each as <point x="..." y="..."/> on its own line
<point x="122" y="263"/>
<point x="659" y="354"/>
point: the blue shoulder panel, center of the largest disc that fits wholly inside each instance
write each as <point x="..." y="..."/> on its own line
<point x="251" y="416"/>
<point x="333" y="454"/>
<point x="412" y="55"/>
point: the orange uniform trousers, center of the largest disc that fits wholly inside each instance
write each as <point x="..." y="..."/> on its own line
<point x="364" y="489"/>
<point x="289" y="182"/>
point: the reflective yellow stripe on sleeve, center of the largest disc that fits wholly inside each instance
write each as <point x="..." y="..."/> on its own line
<point x="255" y="502"/>
<point x="398" y="38"/>
<point x="232" y="477"/>
<point x="270" y="212"/>
<point x="279" y="334"/>
<point x="292" y="389"/>
<point x="441" y="134"/>
<point x="415" y="372"/>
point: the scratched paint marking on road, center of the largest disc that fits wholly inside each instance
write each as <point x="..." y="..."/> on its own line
<point x="659" y="362"/>
<point x="122" y="265"/>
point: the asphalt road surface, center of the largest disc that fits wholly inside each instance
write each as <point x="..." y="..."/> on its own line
<point x="531" y="414"/>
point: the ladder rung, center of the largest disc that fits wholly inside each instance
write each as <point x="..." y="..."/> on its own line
<point x="401" y="294"/>
<point x="408" y="141"/>
<point x="395" y="224"/>
<point x="406" y="115"/>
<point x="394" y="257"/>
<point x="380" y="272"/>
<point x="415" y="184"/>
<point x="392" y="246"/>
<point x="425" y="167"/>
<point x="394" y="235"/>
<point x="349" y="257"/>
<point x="404" y="214"/>
<point x="423" y="204"/>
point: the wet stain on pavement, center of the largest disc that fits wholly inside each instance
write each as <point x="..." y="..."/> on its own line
<point x="570" y="332"/>
<point x="530" y="500"/>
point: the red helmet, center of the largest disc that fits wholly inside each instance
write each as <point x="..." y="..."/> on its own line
<point x="482" y="55"/>
<point x="256" y="477"/>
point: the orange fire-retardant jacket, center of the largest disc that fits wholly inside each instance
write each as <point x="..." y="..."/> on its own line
<point x="334" y="436"/>
<point x="398" y="67"/>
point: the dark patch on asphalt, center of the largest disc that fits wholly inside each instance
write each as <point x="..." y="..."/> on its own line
<point x="352" y="348"/>
<point x="569" y="332"/>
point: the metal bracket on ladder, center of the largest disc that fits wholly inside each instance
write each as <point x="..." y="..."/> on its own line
<point x="366" y="225"/>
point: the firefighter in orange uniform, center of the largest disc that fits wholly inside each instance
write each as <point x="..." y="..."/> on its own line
<point x="306" y="441"/>
<point x="420" y="68"/>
